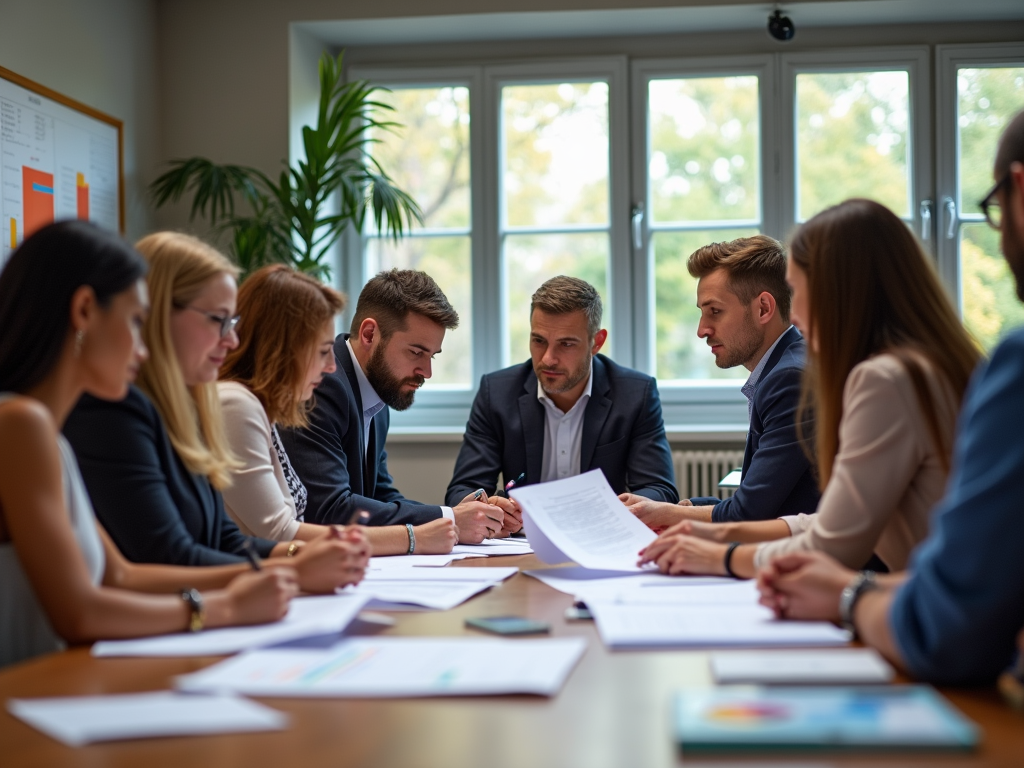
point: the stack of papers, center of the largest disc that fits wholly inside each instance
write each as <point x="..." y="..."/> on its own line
<point x="495" y="548"/>
<point x="307" y="616"/>
<point x="79" y="720"/>
<point x="398" y="667"/>
<point x="397" y="589"/>
<point x="839" y="666"/>
<point x="422" y="561"/>
<point x="580" y="519"/>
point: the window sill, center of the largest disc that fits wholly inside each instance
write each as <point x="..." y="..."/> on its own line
<point x="677" y="433"/>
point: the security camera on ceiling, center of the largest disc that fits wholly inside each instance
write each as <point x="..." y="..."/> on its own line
<point x="781" y="27"/>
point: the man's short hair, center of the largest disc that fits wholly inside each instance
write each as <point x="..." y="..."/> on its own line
<point x="390" y="296"/>
<point x="561" y="295"/>
<point x="753" y="264"/>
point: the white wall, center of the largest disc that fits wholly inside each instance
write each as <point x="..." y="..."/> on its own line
<point x="103" y="54"/>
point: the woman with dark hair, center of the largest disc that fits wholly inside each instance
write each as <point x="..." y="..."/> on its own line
<point x="72" y="303"/>
<point x="887" y="367"/>
<point x="286" y="346"/>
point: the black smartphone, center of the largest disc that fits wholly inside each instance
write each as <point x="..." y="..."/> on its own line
<point x="509" y="625"/>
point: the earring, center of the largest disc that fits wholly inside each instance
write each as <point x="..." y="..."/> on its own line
<point x="79" y="338"/>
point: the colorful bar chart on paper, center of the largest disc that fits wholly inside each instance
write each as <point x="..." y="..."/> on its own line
<point x="37" y="199"/>
<point x="82" y="190"/>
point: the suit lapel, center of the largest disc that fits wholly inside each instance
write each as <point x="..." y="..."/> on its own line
<point x="344" y="362"/>
<point x="595" y="415"/>
<point x="531" y="413"/>
<point x="370" y="464"/>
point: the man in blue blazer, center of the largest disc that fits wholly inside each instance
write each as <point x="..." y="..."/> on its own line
<point x="744" y="303"/>
<point x="399" y="324"/>
<point x="565" y="411"/>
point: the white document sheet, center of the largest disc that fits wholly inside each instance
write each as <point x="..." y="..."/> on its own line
<point x="78" y="720"/>
<point x="307" y="616"/>
<point x="421" y="561"/>
<point x="839" y="666"/>
<point x="581" y="519"/>
<point x="398" y="667"/>
<point x="402" y="595"/>
<point x="481" y="573"/>
<point x="617" y="586"/>
<point x="733" y="623"/>
<point x="495" y="548"/>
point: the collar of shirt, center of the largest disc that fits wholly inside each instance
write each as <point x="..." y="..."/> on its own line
<point x="750" y="387"/>
<point x="548" y="402"/>
<point x="372" y="404"/>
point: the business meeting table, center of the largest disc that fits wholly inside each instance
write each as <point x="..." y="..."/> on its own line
<point x="614" y="710"/>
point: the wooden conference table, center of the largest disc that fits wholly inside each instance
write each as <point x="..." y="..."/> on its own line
<point x="613" y="711"/>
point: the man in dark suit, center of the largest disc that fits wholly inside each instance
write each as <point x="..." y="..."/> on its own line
<point x="399" y="325"/>
<point x="744" y="303"/>
<point x="565" y="411"/>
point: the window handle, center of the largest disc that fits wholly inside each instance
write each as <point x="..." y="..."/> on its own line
<point x="926" y="220"/>
<point x="949" y="206"/>
<point x="637" y="219"/>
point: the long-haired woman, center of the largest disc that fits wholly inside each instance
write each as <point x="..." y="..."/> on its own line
<point x="72" y="303"/>
<point x="155" y="463"/>
<point x="286" y="346"/>
<point x="887" y="367"/>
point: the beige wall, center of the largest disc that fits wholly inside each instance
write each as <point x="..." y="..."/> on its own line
<point x="101" y="53"/>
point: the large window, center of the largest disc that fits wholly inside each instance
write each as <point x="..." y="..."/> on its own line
<point x="525" y="171"/>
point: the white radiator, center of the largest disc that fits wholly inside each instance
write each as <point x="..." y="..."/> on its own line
<point x="698" y="472"/>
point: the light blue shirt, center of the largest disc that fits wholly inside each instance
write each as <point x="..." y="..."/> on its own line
<point x="563" y="433"/>
<point x="750" y="387"/>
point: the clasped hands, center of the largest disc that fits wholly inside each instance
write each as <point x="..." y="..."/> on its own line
<point x="496" y="518"/>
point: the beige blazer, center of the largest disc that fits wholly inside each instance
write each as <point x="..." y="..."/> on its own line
<point x="258" y="499"/>
<point x="887" y="474"/>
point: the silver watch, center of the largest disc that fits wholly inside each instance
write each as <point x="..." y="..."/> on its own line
<point x="859" y="584"/>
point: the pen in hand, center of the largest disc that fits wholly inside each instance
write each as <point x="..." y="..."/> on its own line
<point x="250" y="554"/>
<point x="510" y="485"/>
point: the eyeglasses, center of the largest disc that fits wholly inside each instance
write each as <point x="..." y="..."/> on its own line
<point x="990" y="205"/>
<point x="227" y="324"/>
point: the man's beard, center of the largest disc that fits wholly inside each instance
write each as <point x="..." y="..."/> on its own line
<point x="1013" y="250"/>
<point x="388" y="386"/>
<point x="572" y="378"/>
<point x="744" y="347"/>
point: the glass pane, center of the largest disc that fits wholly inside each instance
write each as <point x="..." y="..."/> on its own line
<point x="532" y="259"/>
<point x="679" y="353"/>
<point x="555" y="154"/>
<point x="704" y="149"/>
<point x="446" y="259"/>
<point x="429" y="156"/>
<point x="987" y="99"/>
<point x="853" y="132"/>
<point x="989" y="297"/>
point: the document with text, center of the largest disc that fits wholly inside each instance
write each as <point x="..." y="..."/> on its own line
<point x="580" y="519"/>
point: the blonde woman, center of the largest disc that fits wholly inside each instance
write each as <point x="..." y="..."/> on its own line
<point x="888" y="365"/>
<point x="155" y="464"/>
<point x="72" y="301"/>
<point x="286" y="346"/>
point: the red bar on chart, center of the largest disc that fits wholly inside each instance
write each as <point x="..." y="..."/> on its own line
<point x="37" y="199"/>
<point x="83" y="197"/>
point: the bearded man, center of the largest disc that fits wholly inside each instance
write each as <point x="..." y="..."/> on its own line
<point x="399" y="325"/>
<point x="565" y="411"/>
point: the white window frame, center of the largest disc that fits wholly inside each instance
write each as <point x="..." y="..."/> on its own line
<point x="948" y="59"/>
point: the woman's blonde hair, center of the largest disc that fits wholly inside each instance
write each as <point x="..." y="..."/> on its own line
<point x="180" y="266"/>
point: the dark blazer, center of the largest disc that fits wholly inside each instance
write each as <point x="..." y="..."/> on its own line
<point x="623" y="433"/>
<point x="154" y="509"/>
<point x="329" y="456"/>
<point x="777" y="477"/>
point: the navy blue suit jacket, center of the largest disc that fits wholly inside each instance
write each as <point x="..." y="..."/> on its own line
<point x="623" y="433"/>
<point x="330" y="458"/>
<point x="777" y="477"/>
<point x="154" y="509"/>
<point x="956" y="619"/>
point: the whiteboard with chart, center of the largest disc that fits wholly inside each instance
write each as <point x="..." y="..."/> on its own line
<point x="58" y="160"/>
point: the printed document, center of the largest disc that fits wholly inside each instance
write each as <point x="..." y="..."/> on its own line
<point x="580" y="519"/>
<point x="838" y="666"/>
<point x="397" y="667"/>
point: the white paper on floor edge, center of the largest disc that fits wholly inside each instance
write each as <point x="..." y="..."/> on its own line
<point x="580" y="519"/>
<point x="78" y="720"/>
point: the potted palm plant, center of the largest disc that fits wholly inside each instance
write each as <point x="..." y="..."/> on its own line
<point x="297" y="218"/>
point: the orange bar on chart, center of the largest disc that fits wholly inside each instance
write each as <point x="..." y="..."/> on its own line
<point x="14" y="233"/>
<point x="83" y="197"/>
<point x="37" y="199"/>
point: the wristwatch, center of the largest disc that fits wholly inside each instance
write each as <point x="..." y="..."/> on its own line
<point x="861" y="583"/>
<point x="195" y="604"/>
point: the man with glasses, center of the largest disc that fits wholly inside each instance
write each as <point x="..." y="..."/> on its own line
<point x="954" y="617"/>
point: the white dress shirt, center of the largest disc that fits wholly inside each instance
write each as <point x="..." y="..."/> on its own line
<point x="563" y="434"/>
<point x="372" y="405"/>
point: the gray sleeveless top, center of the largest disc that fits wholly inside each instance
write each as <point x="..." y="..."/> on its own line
<point x="25" y="630"/>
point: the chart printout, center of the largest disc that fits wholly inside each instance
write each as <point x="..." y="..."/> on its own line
<point x="55" y="163"/>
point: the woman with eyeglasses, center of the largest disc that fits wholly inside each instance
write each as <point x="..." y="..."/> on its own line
<point x="155" y="463"/>
<point x="72" y="303"/>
